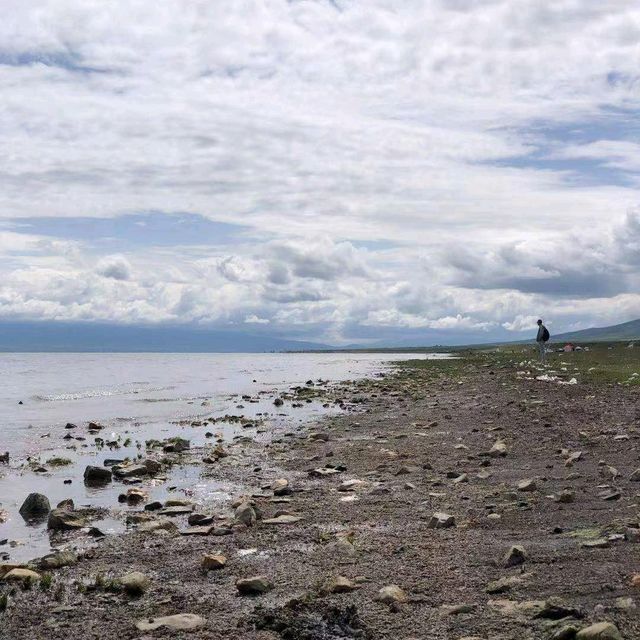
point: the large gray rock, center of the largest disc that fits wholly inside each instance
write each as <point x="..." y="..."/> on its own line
<point x="97" y="476"/>
<point x="35" y="504"/>
<point x="599" y="631"/>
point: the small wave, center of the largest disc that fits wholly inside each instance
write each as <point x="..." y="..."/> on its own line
<point x="97" y="393"/>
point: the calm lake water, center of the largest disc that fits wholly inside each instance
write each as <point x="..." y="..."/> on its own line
<point x="136" y="396"/>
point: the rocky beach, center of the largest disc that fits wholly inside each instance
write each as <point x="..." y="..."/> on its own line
<point x="474" y="498"/>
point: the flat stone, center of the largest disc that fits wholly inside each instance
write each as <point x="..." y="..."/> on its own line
<point x="203" y="530"/>
<point x="283" y="519"/>
<point x="178" y="622"/>
<point x="176" y="511"/>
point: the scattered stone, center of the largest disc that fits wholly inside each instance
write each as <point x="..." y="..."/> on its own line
<point x="281" y="487"/>
<point x="285" y="518"/>
<point x="598" y="543"/>
<point x="246" y="514"/>
<point x="599" y="631"/>
<point x="63" y="520"/>
<point x="158" y="525"/>
<point x="498" y="450"/>
<point x="21" y="575"/>
<point x="566" y="632"/>
<point x="178" y="622"/>
<point x="457" y="609"/>
<point x="528" y="484"/>
<point x="635" y="476"/>
<point x="340" y="585"/>
<point x="515" y="556"/>
<point x="351" y="485"/>
<point x="392" y="594"/>
<point x="58" y="560"/>
<point x="204" y="530"/>
<point x="211" y="562"/>
<point x="129" y="470"/>
<point x="176" y="510"/>
<point x="134" y="583"/>
<point x="35" y="504"/>
<point x="97" y="476"/>
<point x="440" y="520"/>
<point x="324" y="471"/>
<point x="566" y="496"/>
<point x="253" y="586"/>
<point x="199" y="519"/>
<point x="503" y="585"/>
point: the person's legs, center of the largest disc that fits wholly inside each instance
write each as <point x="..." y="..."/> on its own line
<point x="543" y="352"/>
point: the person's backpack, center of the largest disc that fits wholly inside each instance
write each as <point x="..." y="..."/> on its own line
<point x="545" y="335"/>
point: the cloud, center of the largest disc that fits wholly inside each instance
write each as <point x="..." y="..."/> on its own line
<point x="116" y="267"/>
<point x="424" y="165"/>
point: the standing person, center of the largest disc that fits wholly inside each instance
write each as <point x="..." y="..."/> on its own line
<point x="542" y="338"/>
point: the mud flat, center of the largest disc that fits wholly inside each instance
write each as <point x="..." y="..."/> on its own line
<point x="457" y="499"/>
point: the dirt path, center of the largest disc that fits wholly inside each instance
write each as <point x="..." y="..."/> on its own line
<point x="558" y="484"/>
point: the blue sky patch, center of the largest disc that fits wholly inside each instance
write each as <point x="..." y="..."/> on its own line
<point x="152" y="229"/>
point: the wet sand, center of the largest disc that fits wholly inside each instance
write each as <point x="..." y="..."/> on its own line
<point x="442" y="470"/>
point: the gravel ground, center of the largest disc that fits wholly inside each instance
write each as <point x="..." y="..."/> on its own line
<point x="559" y="484"/>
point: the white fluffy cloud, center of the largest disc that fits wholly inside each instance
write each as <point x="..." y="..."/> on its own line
<point x="426" y="164"/>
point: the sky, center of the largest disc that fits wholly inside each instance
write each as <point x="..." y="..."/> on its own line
<point x="343" y="171"/>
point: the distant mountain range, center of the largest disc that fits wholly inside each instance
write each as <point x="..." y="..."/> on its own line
<point x="625" y="331"/>
<point x="94" y="337"/>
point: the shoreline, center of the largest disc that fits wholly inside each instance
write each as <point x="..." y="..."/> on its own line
<point x="362" y="511"/>
<point x="206" y="419"/>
